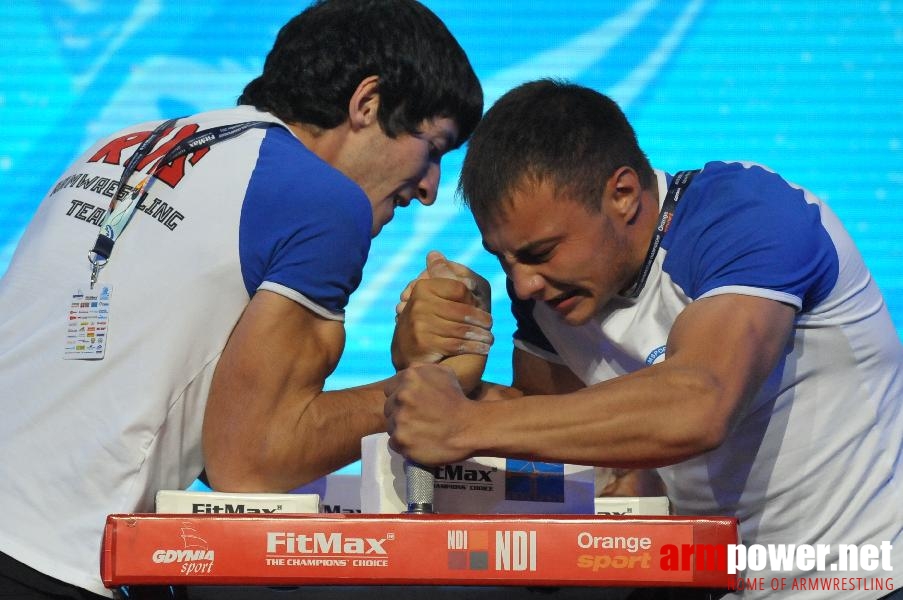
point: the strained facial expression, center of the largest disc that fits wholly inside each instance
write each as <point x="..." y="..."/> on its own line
<point x="558" y="251"/>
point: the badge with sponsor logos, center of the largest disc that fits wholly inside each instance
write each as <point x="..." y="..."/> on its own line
<point x="87" y="322"/>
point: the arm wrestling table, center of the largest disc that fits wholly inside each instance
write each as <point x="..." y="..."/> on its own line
<point x="408" y="556"/>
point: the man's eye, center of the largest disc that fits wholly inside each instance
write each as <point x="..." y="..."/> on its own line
<point x="535" y="258"/>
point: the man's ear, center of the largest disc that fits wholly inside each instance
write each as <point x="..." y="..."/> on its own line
<point x="624" y="193"/>
<point x="364" y="103"/>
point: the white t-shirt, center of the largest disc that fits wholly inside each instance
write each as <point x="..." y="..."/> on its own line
<point x="81" y="439"/>
<point x="816" y="457"/>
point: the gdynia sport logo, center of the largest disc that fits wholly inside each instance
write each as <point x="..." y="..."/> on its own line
<point x="808" y="566"/>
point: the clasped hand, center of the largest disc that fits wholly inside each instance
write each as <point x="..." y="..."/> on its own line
<point x="444" y="313"/>
<point x="442" y="336"/>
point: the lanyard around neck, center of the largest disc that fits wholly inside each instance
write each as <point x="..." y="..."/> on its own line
<point x="125" y="202"/>
<point x="679" y="183"/>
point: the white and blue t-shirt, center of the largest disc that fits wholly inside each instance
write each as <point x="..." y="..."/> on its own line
<point x="90" y="438"/>
<point x="816" y="458"/>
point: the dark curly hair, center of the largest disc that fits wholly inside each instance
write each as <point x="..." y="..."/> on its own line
<point x="548" y="130"/>
<point x="322" y="54"/>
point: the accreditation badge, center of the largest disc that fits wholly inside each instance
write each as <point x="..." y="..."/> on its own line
<point x="87" y="324"/>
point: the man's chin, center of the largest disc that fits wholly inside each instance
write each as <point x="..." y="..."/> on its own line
<point x="580" y="313"/>
<point x="576" y="320"/>
<point x="378" y="226"/>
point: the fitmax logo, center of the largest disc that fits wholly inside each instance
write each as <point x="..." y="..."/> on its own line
<point x="324" y="543"/>
<point x="204" y="508"/>
<point x="459" y="473"/>
<point x="338" y="508"/>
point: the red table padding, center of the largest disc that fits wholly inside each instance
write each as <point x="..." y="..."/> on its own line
<point x="340" y="549"/>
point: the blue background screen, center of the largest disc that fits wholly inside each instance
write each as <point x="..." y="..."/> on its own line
<point x="812" y="89"/>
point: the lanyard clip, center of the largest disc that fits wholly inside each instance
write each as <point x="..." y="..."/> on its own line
<point x="100" y="254"/>
<point x="97" y="263"/>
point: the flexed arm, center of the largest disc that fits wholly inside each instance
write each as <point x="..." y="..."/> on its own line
<point x="268" y="425"/>
<point x="720" y="351"/>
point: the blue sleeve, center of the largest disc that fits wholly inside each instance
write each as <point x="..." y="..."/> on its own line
<point x="745" y="227"/>
<point x="304" y="226"/>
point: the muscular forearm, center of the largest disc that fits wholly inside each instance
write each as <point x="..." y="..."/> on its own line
<point x="720" y="351"/>
<point x="488" y="392"/>
<point x="297" y="443"/>
<point x="643" y="420"/>
<point x="335" y="423"/>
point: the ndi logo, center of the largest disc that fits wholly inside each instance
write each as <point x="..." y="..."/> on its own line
<point x="514" y="550"/>
<point x="468" y="550"/>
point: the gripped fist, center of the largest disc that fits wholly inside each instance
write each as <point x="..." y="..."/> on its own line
<point x="426" y="414"/>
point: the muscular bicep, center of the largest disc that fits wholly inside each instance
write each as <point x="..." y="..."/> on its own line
<point x="536" y="376"/>
<point x="731" y="342"/>
<point x="274" y="364"/>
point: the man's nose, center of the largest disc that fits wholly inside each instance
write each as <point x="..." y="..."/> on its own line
<point x="428" y="187"/>
<point x="527" y="282"/>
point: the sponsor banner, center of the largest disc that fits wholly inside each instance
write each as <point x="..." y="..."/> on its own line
<point x="245" y="549"/>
